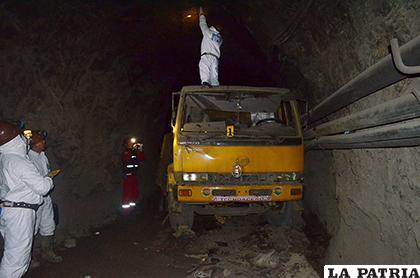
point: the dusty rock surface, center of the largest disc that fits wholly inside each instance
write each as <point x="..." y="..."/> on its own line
<point x="139" y="246"/>
<point x="246" y="247"/>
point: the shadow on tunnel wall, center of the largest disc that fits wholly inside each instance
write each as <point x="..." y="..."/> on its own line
<point x="64" y="69"/>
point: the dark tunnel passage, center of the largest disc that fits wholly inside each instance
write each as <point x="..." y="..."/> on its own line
<point x="95" y="73"/>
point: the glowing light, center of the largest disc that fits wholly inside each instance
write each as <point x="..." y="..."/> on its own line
<point x="27" y="133"/>
<point x="132" y="204"/>
<point x="189" y="16"/>
<point x="133" y="140"/>
<point x="125" y="206"/>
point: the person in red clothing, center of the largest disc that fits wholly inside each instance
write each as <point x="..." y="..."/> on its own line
<point x="131" y="157"/>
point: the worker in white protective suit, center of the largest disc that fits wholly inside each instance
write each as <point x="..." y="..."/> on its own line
<point x="210" y="53"/>
<point x="45" y="223"/>
<point x="23" y="188"/>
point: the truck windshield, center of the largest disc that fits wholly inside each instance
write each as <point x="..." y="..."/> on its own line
<point x="251" y="114"/>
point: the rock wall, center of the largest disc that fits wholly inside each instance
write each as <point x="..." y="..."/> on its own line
<point x="63" y="69"/>
<point x="367" y="199"/>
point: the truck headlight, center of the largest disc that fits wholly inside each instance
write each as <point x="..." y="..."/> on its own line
<point x="195" y="177"/>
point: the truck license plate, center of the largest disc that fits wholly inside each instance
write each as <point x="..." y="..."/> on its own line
<point x="241" y="198"/>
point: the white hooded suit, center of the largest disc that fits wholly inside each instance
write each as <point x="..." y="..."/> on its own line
<point x="21" y="182"/>
<point x="45" y="215"/>
<point x="210" y="53"/>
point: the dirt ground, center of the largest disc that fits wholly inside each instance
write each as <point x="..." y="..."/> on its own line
<point x="139" y="245"/>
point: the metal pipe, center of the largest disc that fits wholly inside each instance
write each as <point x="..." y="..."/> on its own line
<point x="396" y="110"/>
<point x="376" y="77"/>
<point x="396" y="54"/>
<point x="401" y="130"/>
<point x="403" y="142"/>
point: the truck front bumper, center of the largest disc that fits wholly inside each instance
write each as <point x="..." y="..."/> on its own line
<point x="242" y="193"/>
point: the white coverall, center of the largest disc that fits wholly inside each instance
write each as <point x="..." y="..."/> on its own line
<point x="45" y="215"/>
<point x="210" y="53"/>
<point x="24" y="184"/>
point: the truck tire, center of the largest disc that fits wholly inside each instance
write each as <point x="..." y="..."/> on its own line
<point x="183" y="215"/>
<point x="280" y="216"/>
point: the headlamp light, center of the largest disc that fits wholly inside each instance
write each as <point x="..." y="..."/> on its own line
<point x="27" y="134"/>
<point x="195" y="177"/>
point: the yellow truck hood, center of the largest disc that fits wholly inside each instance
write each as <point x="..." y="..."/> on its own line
<point x="253" y="159"/>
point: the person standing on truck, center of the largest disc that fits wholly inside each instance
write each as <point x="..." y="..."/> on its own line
<point x="131" y="157"/>
<point x="45" y="223"/>
<point x="210" y="52"/>
<point x="20" y="198"/>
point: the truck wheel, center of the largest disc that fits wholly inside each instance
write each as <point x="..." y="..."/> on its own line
<point x="280" y="216"/>
<point x="179" y="214"/>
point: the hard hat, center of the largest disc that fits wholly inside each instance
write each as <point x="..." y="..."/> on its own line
<point x="8" y="131"/>
<point x="43" y="133"/>
<point x="37" y="137"/>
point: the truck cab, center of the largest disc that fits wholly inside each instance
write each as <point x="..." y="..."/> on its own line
<point x="236" y="150"/>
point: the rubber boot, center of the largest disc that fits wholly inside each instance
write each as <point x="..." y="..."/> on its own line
<point x="47" y="250"/>
<point x="34" y="263"/>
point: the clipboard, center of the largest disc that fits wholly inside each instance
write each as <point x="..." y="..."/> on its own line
<point x="54" y="173"/>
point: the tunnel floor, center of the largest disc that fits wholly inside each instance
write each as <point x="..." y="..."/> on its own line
<point x="139" y="245"/>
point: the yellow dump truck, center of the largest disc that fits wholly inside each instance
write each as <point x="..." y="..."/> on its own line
<point x="234" y="150"/>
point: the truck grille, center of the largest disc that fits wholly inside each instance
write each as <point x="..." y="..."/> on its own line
<point x="223" y="192"/>
<point x="245" y="179"/>
<point x="260" y="192"/>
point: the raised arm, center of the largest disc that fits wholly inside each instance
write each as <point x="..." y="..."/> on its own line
<point x="203" y="23"/>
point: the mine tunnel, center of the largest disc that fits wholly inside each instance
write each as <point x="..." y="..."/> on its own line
<point x="94" y="73"/>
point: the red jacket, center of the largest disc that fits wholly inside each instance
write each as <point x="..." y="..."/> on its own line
<point x="131" y="159"/>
